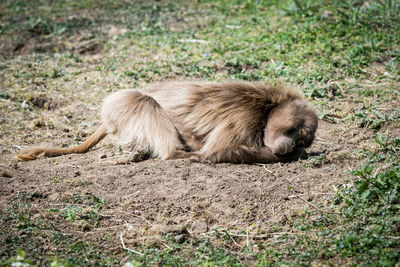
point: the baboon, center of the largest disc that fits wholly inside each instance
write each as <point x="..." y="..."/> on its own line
<point x="236" y="122"/>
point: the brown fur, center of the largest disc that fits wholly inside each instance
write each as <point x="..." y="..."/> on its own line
<point x="233" y="122"/>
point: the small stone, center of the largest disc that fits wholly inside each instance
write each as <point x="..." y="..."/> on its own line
<point x="25" y="104"/>
<point x="179" y="239"/>
<point x="199" y="227"/>
<point x="137" y="156"/>
<point x="121" y="160"/>
<point x="103" y="156"/>
<point x="53" y="197"/>
<point x="86" y="210"/>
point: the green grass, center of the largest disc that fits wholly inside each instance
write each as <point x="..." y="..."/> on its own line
<point x="69" y="251"/>
<point x="328" y="48"/>
<point x="376" y="119"/>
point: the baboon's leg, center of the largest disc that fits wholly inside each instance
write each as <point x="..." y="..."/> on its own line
<point x="137" y="118"/>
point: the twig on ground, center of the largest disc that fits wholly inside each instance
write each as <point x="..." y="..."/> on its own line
<point x="96" y="184"/>
<point x="340" y="87"/>
<point x="108" y="228"/>
<point x="251" y="48"/>
<point x="386" y="236"/>
<point x="126" y="248"/>
<point x="233" y="26"/>
<point x="381" y="168"/>
<point x="232" y="239"/>
<point x="128" y="226"/>
<point x="316" y="24"/>
<point x="365" y="71"/>
<point x="265" y="168"/>
<point x="167" y="246"/>
<point x="66" y="204"/>
<point x="193" y="41"/>
<point x="143" y="218"/>
<point x="261" y="236"/>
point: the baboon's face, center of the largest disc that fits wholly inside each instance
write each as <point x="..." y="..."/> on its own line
<point x="290" y="125"/>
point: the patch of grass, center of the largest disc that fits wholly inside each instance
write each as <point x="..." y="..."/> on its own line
<point x="85" y="216"/>
<point x="25" y="220"/>
<point x="370" y="208"/>
<point x="196" y="254"/>
<point x="315" y="161"/>
<point x="23" y="224"/>
<point x="79" y="254"/>
<point x="38" y="26"/>
<point x="373" y="118"/>
<point x="71" y="213"/>
<point x="323" y="41"/>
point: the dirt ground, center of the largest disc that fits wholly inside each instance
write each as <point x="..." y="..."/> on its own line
<point x="158" y="197"/>
<point x="149" y="199"/>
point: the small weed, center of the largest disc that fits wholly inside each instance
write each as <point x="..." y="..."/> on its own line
<point x="374" y="119"/>
<point x="57" y="72"/>
<point x="98" y="202"/>
<point x="39" y="26"/>
<point x="4" y="95"/>
<point x="76" y="198"/>
<point x="314" y="161"/>
<point x="71" y="213"/>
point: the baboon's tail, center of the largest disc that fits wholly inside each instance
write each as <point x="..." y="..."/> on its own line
<point x="32" y="152"/>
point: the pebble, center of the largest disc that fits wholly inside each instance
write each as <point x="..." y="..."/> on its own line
<point x="179" y="239"/>
<point x="199" y="227"/>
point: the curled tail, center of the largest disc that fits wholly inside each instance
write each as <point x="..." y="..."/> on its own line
<point x="32" y="152"/>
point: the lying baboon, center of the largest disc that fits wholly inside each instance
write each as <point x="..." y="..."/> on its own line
<point x="235" y="122"/>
